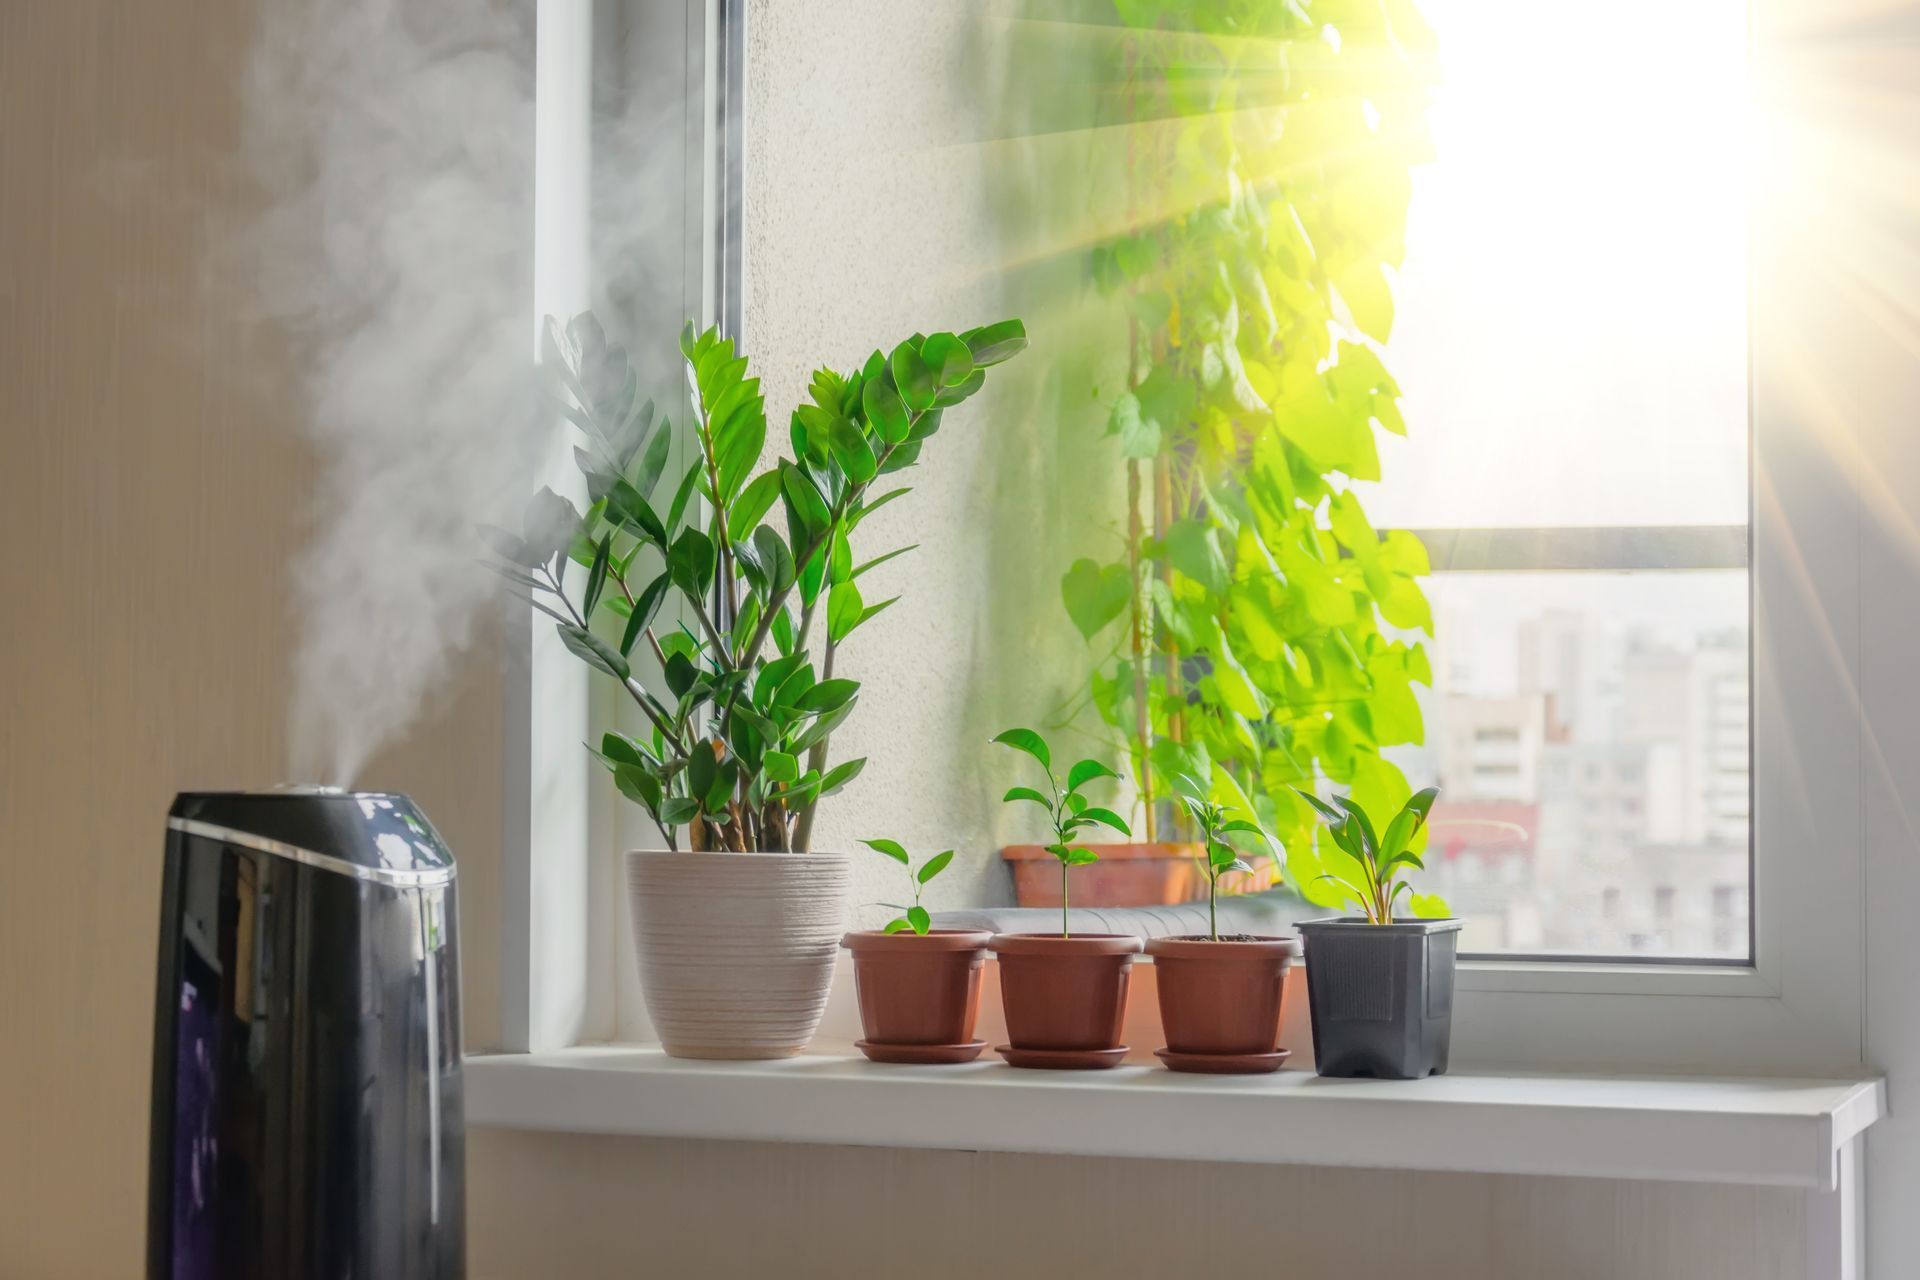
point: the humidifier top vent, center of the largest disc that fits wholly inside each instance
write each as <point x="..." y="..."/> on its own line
<point x="369" y="835"/>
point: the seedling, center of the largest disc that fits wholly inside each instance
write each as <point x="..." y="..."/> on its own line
<point x="916" y="917"/>
<point x="1213" y="824"/>
<point x="1068" y="811"/>
<point x="1382" y="858"/>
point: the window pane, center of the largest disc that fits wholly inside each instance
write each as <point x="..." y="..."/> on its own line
<point x="1571" y="330"/>
<point x="1589" y="732"/>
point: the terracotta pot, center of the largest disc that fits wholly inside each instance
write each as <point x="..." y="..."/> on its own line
<point x="919" y="993"/>
<point x="1128" y="875"/>
<point x="1064" y="998"/>
<point x="736" y="950"/>
<point x="1222" y="1001"/>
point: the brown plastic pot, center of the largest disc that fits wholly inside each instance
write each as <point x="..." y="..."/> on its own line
<point x="1220" y="1002"/>
<point x="919" y="993"/>
<point x="1064" y="998"/>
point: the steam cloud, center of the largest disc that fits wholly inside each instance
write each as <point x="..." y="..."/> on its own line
<point x="392" y="142"/>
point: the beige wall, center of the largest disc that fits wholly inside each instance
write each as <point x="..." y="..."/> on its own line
<point x="151" y="495"/>
<point x="150" y="499"/>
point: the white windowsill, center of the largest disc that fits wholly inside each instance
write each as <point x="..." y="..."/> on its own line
<point x="1777" y="1132"/>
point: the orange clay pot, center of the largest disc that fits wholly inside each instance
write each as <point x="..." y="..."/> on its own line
<point x="919" y="994"/>
<point x="1222" y="1000"/>
<point x="1064" y="998"/>
<point x="1137" y="874"/>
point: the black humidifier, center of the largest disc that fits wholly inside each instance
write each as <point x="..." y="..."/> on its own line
<point x="306" y="1056"/>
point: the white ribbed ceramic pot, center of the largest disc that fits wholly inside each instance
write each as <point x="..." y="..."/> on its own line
<point x="736" y="950"/>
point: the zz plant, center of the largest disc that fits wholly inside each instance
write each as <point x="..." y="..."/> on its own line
<point x="915" y="917"/>
<point x="739" y="582"/>
<point x="1068" y="811"/>
<point x="1253" y="623"/>
<point x="1380" y="857"/>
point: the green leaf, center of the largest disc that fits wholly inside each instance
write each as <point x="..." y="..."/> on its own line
<point x="1327" y="811"/>
<point x="677" y="811"/>
<point x="637" y="785"/>
<point x="646" y="606"/>
<point x="895" y="926"/>
<point x="993" y="343"/>
<point x="681" y="674"/>
<point x="917" y="917"/>
<point x="1139" y="435"/>
<point x="1095" y="595"/>
<point x="548" y="526"/>
<point x="681" y="496"/>
<point x="852" y="452"/>
<point x="1086" y="771"/>
<point x="1359" y="816"/>
<point x="892" y="848"/>
<point x="1027" y="793"/>
<point x="885" y="410"/>
<point x="1077" y="857"/>
<point x="902" y="457"/>
<point x="913" y="378"/>
<point x="597" y="574"/>
<point x="840" y="775"/>
<point x="805" y="506"/>
<point x="781" y="767"/>
<point x="1221" y="856"/>
<point x="828" y="695"/>
<point x="948" y="357"/>
<point x="744" y="517"/>
<point x="844" y="611"/>
<point x="1106" y="817"/>
<point x="1030" y="742"/>
<point x="1191" y="549"/>
<point x="953" y="395"/>
<point x="594" y="651"/>
<point x="880" y="560"/>
<point x="934" y="866"/>
<point x="691" y="561"/>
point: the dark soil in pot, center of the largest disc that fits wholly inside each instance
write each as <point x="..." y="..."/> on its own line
<point x="1064" y="998"/>
<point x="919" y="993"/>
<point x="1221" y="999"/>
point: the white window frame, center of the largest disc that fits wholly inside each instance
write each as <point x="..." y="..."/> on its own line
<point x="1797" y="1008"/>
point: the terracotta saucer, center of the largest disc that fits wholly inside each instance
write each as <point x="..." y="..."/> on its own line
<point x="919" y="1053"/>
<point x="1223" y="1064"/>
<point x="1062" y="1059"/>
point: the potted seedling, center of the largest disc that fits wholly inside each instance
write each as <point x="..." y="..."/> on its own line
<point x="918" y="986"/>
<point x="717" y="595"/>
<point x="1220" y="997"/>
<point x="1064" y="994"/>
<point x="1380" y="986"/>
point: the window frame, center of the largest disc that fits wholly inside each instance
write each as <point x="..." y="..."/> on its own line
<point x="1798" y="1006"/>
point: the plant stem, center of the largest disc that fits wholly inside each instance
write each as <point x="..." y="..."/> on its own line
<point x="1142" y="721"/>
<point x="1213" y="915"/>
<point x="817" y="761"/>
<point x="1064" y="932"/>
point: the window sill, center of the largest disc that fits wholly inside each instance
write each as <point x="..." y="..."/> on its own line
<point x="1774" y="1132"/>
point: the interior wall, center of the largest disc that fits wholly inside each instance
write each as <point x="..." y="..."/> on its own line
<point x="152" y="495"/>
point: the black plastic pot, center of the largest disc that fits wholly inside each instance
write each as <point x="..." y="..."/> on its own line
<point x="1381" y="996"/>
